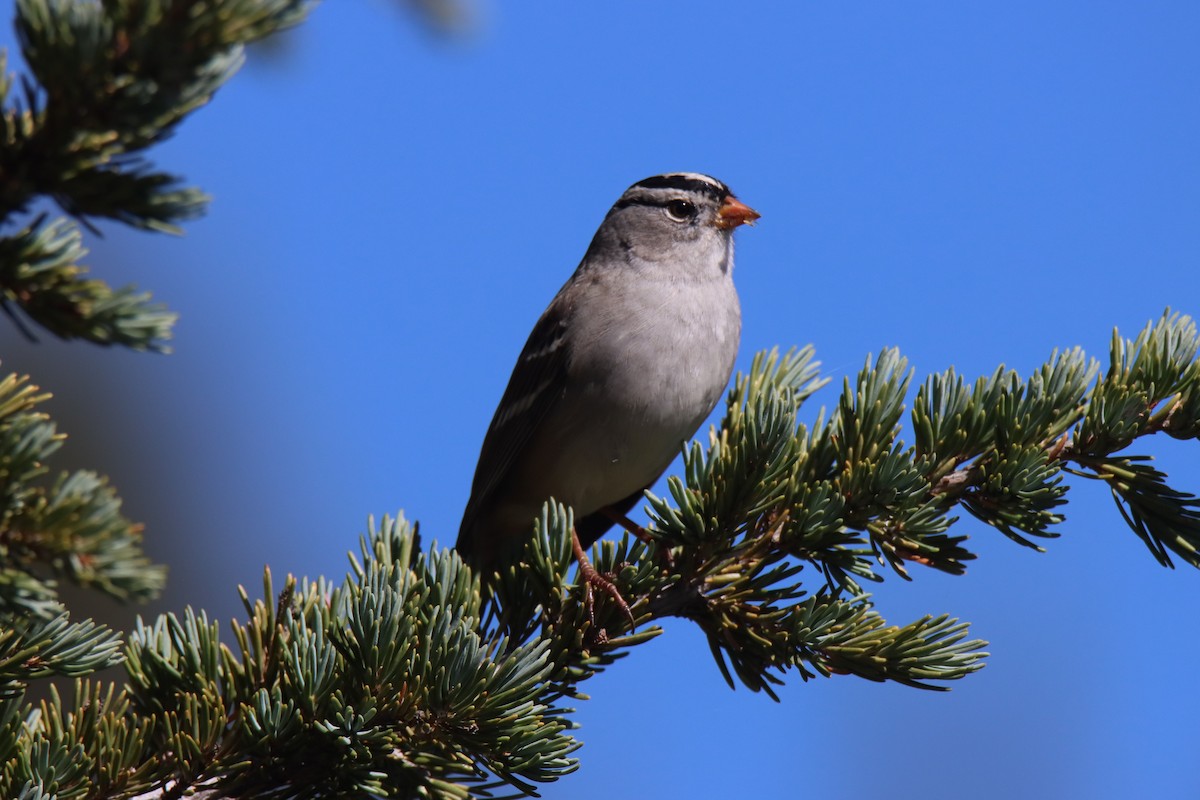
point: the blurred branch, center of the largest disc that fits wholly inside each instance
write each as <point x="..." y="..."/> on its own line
<point x="40" y="273"/>
<point x="70" y="528"/>
<point x="448" y="16"/>
<point x="108" y="80"/>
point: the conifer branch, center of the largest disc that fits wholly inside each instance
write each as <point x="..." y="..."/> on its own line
<point x="108" y="81"/>
<point x="381" y="686"/>
<point x="404" y="680"/>
<point x="71" y="528"/>
<point x="41" y="273"/>
<point x="32" y="648"/>
<point x="771" y="496"/>
<point x="1152" y="385"/>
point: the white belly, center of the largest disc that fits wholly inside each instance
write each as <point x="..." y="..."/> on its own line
<point x="618" y="430"/>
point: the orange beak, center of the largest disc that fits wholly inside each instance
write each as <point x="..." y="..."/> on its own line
<point x="734" y="212"/>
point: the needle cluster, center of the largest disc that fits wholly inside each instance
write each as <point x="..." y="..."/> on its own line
<point x="107" y="81"/>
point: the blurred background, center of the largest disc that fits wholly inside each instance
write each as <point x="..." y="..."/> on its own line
<point x="395" y="203"/>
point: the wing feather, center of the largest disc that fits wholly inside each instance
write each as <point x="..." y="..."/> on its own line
<point x="534" y="388"/>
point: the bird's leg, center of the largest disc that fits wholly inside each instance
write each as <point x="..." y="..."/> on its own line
<point x="625" y="522"/>
<point x="592" y="578"/>
<point x="637" y="530"/>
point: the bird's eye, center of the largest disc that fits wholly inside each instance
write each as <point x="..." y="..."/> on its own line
<point x="681" y="210"/>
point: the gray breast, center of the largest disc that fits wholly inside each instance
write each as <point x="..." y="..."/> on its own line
<point x="674" y="346"/>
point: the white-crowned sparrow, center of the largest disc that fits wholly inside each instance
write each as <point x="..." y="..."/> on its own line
<point x="629" y="358"/>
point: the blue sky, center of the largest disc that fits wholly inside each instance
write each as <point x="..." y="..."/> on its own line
<point x="975" y="185"/>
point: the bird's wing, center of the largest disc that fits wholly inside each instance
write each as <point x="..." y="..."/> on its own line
<point x="533" y="389"/>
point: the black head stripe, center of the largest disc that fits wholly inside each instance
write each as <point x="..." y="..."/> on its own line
<point x="686" y="181"/>
<point x="662" y="189"/>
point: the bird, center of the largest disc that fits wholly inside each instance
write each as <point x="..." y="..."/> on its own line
<point x="621" y="369"/>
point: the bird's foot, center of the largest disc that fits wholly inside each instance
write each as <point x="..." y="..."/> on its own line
<point x="592" y="578"/>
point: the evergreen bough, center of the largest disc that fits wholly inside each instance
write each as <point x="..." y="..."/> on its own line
<point x="406" y="679"/>
<point x="108" y="80"/>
